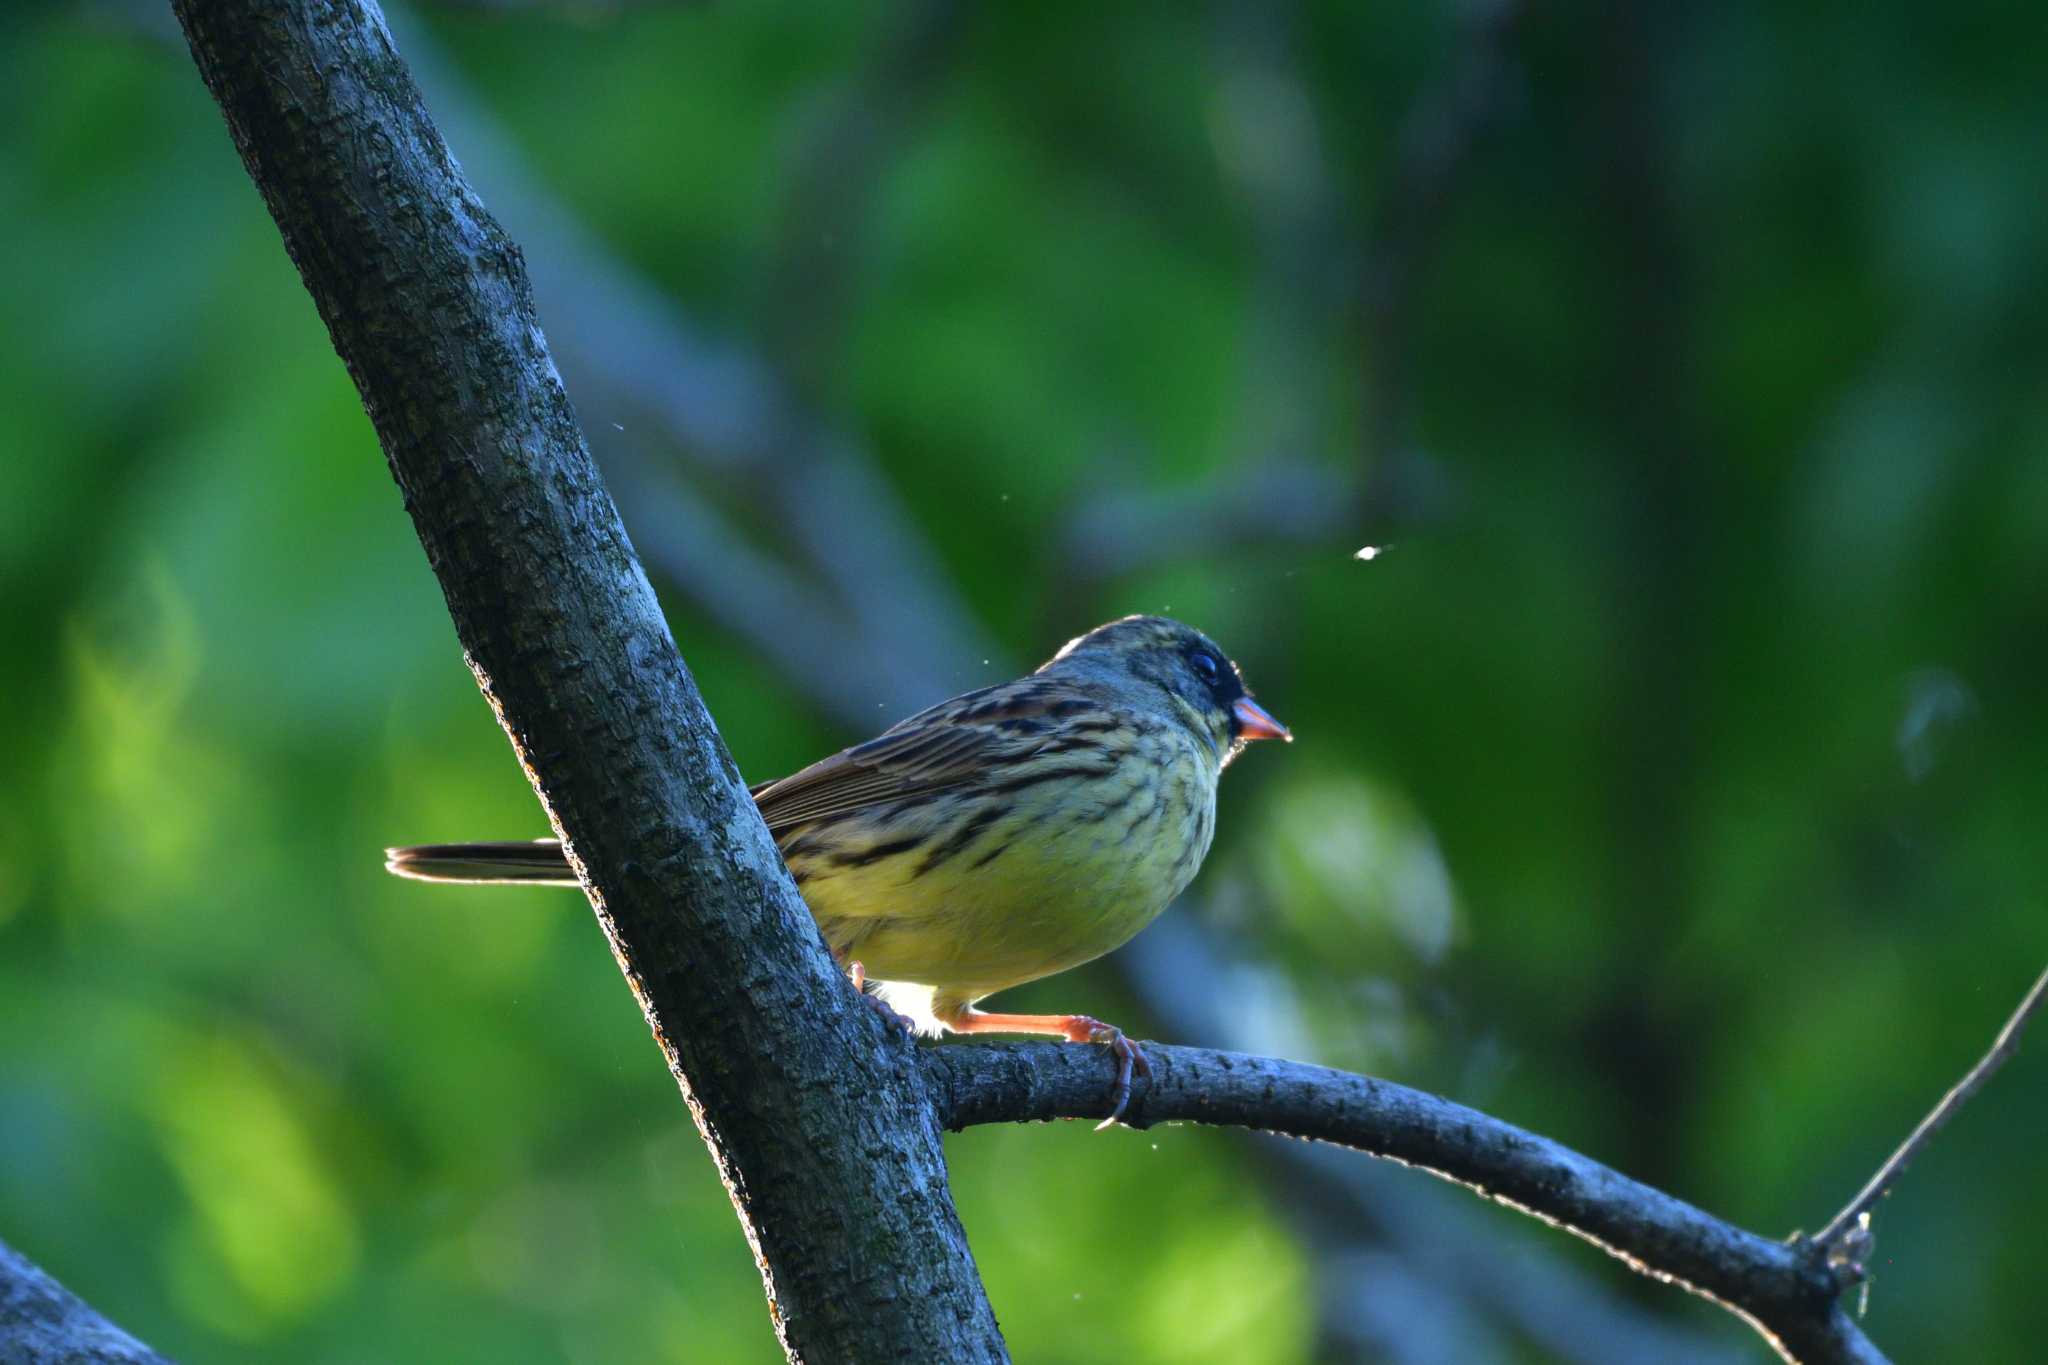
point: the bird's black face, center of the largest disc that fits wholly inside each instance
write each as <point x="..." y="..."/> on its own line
<point x="1202" y="675"/>
<point x="1212" y="684"/>
<point x="1192" y="670"/>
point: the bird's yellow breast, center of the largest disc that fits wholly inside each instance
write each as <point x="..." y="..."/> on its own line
<point x="991" y="890"/>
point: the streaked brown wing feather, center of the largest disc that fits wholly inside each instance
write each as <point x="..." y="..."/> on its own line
<point x="954" y="744"/>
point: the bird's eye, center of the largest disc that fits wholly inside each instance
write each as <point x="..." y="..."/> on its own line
<point x="1204" y="663"/>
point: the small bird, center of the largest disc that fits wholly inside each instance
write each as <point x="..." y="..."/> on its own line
<point x="1007" y="834"/>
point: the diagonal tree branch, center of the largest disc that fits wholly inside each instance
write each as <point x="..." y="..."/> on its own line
<point x="781" y="608"/>
<point x="660" y="391"/>
<point x="1785" y="1290"/>
<point x="818" y="1122"/>
<point x="41" y="1320"/>
<point x="712" y="406"/>
<point x="826" y="1131"/>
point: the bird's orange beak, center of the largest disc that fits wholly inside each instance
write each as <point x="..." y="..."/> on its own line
<point x="1254" y="723"/>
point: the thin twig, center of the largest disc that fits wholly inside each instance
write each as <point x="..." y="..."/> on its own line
<point x="2002" y="1048"/>
<point x="1535" y="1174"/>
<point x="750" y="406"/>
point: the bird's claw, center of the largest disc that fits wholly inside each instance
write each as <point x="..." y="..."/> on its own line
<point x="1129" y="1058"/>
<point x="890" y="1016"/>
<point x="880" y="1006"/>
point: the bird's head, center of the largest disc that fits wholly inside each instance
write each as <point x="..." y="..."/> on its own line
<point x="1150" y="655"/>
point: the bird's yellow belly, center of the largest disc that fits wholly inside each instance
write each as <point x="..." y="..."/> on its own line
<point x="1031" y="894"/>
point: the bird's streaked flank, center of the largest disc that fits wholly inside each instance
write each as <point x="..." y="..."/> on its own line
<point x="1007" y="834"/>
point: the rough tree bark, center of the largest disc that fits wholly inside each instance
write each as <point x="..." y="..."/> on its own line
<point x="824" y="1124"/>
<point x="819" y="1122"/>
<point x="42" y="1321"/>
<point x="1787" y="1291"/>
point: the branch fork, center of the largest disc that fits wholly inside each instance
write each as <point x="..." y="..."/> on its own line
<point x="804" y="1106"/>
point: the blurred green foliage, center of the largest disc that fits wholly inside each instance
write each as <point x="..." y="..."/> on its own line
<point x="1674" y="786"/>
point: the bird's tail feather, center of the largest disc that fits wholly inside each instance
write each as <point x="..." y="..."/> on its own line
<point x="537" y="862"/>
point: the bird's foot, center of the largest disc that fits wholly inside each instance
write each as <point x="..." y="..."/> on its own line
<point x="1075" y="1028"/>
<point x="878" y="1004"/>
<point x="1129" y="1058"/>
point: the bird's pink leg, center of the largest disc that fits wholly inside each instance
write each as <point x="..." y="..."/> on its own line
<point x="1075" y="1028"/>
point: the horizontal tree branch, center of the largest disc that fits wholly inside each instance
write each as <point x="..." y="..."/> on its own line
<point x="716" y="409"/>
<point x="477" y="430"/>
<point x="1786" y="1291"/>
<point x="1490" y="1272"/>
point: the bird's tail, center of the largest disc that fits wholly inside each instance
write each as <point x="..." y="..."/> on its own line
<point x="537" y="862"/>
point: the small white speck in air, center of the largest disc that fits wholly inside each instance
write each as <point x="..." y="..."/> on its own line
<point x="1370" y="553"/>
<point x="617" y="426"/>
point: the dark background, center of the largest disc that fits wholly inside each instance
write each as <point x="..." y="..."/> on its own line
<point x="1673" y="785"/>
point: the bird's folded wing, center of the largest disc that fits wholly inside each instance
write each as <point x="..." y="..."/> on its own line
<point x="971" y="739"/>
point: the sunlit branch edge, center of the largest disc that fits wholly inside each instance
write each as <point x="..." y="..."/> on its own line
<point x="426" y="299"/>
<point x="1786" y="1290"/>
